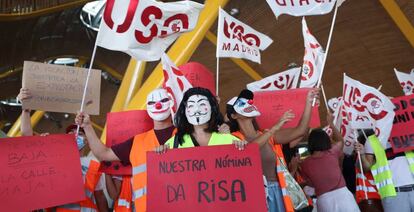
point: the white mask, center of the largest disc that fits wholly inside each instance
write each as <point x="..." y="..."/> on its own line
<point x="198" y="110"/>
<point x="245" y="107"/>
<point x="158" y="105"/>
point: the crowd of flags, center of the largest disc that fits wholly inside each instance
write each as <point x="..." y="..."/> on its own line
<point x="144" y="29"/>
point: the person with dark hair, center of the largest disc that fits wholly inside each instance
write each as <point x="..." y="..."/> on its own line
<point x="241" y="113"/>
<point x="197" y="119"/>
<point x="93" y="180"/>
<point x="393" y="173"/>
<point x="322" y="171"/>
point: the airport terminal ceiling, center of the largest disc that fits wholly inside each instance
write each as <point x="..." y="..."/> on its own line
<point x="366" y="45"/>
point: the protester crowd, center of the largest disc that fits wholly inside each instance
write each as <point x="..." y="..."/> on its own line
<point x="316" y="183"/>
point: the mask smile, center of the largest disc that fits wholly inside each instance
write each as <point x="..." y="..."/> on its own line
<point x="249" y="109"/>
<point x="160" y="111"/>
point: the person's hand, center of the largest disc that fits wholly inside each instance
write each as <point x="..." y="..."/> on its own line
<point x="24" y="95"/>
<point x="330" y="118"/>
<point x="286" y="117"/>
<point x="239" y="144"/>
<point x="83" y="120"/>
<point x="358" y="147"/>
<point x="161" y="149"/>
<point x="224" y="128"/>
<point x="313" y="94"/>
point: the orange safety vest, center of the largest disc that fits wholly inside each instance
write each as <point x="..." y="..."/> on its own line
<point x="277" y="149"/>
<point x="124" y="201"/>
<point x="91" y="180"/>
<point x="142" y="143"/>
<point x="372" y="191"/>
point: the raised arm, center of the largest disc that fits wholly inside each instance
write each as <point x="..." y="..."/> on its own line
<point x="284" y="136"/>
<point x="25" y="122"/>
<point x="101" y="152"/>
<point x="336" y="135"/>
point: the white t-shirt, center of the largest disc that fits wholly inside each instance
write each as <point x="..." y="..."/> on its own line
<point x="84" y="163"/>
<point x="400" y="169"/>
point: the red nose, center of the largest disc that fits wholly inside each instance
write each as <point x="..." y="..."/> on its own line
<point x="158" y="105"/>
<point x="250" y="101"/>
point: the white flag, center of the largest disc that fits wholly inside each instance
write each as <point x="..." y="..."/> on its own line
<point x="302" y="7"/>
<point x="145" y="28"/>
<point x="174" y="81"/>
<point x="280" y="81"/>
<point x="406" y="81"/>
<point x="312" y="60"/>
<point x="366" y="107"/>
<point x="236" y="39"/>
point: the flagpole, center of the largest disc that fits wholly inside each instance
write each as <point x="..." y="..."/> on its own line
<point x="217" y="76"/>
<point x="327" y="48"/>
<point x="87" y="79"/>
<point x="360" y="165"/>
<point x="324" y="98"/>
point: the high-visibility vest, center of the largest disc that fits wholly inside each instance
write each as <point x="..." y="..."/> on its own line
<point x="142" y="143"/>
<point x="91" y="180"/>
<point x="277" y="149"/>
<point x="381" y="170"/>
<point x="215" y="139"/>
<point x="124" y="201"/>
<point x="372" y="191"/>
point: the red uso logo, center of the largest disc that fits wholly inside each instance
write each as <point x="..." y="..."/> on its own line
<point x="307" y="70"/>
<point x="284" y="82"/>
<point x="149" y="17"/>
<point x="234" y="31"/>
<point x="408" y="87"/>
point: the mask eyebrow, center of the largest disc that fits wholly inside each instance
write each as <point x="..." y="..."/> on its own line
<point x="190" y="101"/>
<point x="202" y="100"/>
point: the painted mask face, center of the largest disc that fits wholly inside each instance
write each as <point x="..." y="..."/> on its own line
<point x="198" y="110"/>
<point x="158" y="105"/>
<point x="245" y="107"/>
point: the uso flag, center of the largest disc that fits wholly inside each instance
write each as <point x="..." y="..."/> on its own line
<point x="312" y="60"/>
<point x="236" y="39"/>
<point x="281" y="81"/>
<point x="145" y="28"/>
<point x="302" y="8"/>
<point x="406" y="82"/>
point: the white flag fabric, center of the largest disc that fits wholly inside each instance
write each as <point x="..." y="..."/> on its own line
<point x="406" y="81"/>
<point x="281" y="81"/>
<point x="302" y="7"/>
<point x="236" y="39"/>
<point x="175" y="82"/>
<point x="366" y="107"/>
<point x="312" y="60"/>
<point x="145" y="28"/>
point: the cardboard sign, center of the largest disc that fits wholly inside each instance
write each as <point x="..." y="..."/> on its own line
<point x="39" y="172"/>
<point x="219" y="178"/>
<point x="272" y="105"/>
<point x="58" y="88"/>
<point x="199" y="76"/>
<point x="122" y="126"/>
<point x="402" y="133"/>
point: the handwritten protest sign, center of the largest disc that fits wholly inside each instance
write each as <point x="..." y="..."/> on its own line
<point x="60" y="88"/>
<point x="199" y="75"/>
<point x="122" y="126"/>
<point x="272" y="105"/>
<point x="38" y="171"/>
<point x="402" y="133"/>
<point x="219" y="178"/>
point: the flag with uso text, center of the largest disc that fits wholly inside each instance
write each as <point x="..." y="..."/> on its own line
<point x="145" y="28"/>
<point x="406" y="81"/>
<point x="236" y="39"/>
<point x="281" y="81"/>
<point x="302" y="7"/>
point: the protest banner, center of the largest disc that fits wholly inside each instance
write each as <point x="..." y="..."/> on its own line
<point x="58" y="88"/>
<point x="38" y="171"/>
<point x="122" y="126"/>
<point x="402" y="133"/>
<point x="198" y="75"/>
<point x="272" y="105"/>
<point x="219" y="178"/>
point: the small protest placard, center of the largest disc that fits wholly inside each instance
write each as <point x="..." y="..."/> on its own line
<point x="122" y="126"/>
<point x="38" y="171"/>
<point x="402" y="133"/>
<point x="272" y="105"/>
<point x="58" y="88"/>
<point x="214" y="178"/>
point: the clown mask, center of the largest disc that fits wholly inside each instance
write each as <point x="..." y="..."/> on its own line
<point x="158" y="105"/>
<point x="198" y="110"/>
<point x="244" y="107"/>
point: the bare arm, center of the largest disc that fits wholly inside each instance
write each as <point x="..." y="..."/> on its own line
<point x="368" y="160"/>
<point x="113" y="186"/>
<point x="25" y="122"/>
<point x="264" y="138"/>
<point x="101" y="152"/>
<point x="101" y="202"/>
<point x="336" y="135"/>
<point x="284" y="136"/>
